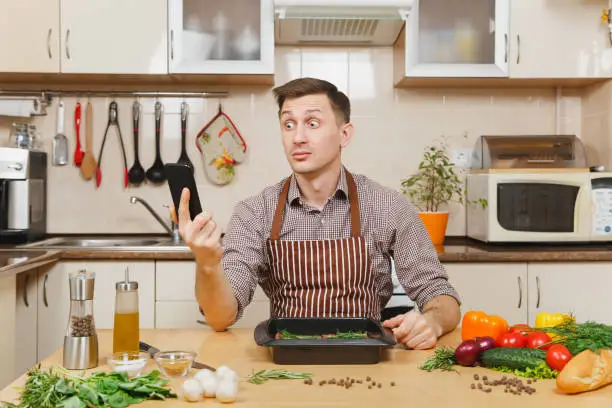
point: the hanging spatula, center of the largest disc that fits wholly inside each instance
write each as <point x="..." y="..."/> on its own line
<point x="60" y="141"/>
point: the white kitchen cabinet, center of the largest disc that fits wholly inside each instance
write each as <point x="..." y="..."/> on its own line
<point x="559" y="39"/>
<point x="176" y="304"/>
<point x="114" y="36"/>
<point x="8" y="317"/>
<point x="454" y="39"/>
<point x="214" y="37"/>
<point x="108" y="273"/>
<point x="30" y="33"/>
<point x="580" y="288"/>
<point x="495" y="288"/>
<point x="53" y="308"/>
<point x="26" y="321"/>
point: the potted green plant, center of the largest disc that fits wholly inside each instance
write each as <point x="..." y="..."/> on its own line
<point x="433" y="187"/>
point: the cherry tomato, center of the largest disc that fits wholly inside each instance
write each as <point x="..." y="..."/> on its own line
<point x="557" y="356"/>
<point x="512" y="340"/>
<point x="523" y="329"/>
<point x="537" y="339"/>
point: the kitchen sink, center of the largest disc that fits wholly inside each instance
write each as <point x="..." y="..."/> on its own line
<point x="102" y="242"/>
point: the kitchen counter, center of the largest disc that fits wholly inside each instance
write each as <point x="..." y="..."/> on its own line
<point x="19" y="258"/>
<point x="237" y="349"/>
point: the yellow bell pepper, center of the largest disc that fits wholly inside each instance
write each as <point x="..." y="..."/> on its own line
<point x="544" y="319"/>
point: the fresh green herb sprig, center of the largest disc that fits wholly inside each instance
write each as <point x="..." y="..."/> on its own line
<point x="57" y="387"/>
<point x="351" y="334"/>
<point x="261" y="376"/>
<point x="443" y="359"/>
<point x="578" y="337"/>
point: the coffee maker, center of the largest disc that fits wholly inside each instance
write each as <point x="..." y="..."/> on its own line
<point x="23" y="195"/>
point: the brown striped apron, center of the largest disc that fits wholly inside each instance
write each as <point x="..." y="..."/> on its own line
<point x="322" y="278"/>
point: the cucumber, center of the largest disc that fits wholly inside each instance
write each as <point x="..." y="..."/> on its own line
<point x="513" y="358"/>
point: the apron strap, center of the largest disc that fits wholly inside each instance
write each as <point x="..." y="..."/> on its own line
<point x="280" y="209"/>
<point x="353" y="203"/>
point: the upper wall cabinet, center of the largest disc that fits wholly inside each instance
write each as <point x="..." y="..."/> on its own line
<point x="467" y="38"/>
<point x="114" y="36"/>
<point x="559" y="39"/>
<point x="228" y="37"/>
<point x="29" y="35"/>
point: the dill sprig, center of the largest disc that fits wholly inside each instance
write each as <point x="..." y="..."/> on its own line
<point x="578" y="337"/>
<point x="443" y="359"/>
<point x="261" y="376"/>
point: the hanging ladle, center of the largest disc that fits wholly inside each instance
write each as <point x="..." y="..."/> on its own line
<point x="184" y="158"/>
<point x="136" y="175"/>
<point x="157" y="172"/>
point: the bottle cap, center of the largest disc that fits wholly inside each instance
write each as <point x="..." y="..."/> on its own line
<point x="126" y="285"/>
<point x="82" y="285"/>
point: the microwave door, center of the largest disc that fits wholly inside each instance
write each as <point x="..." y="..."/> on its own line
<point x="537" y="207"/>
<point x="4" y="204"/>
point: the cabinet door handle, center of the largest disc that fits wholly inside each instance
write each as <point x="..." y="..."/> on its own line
<point x="49" y="43"/>
<point x="520" y="287"/>
<point x="538" y="286"/>
<point x="171" y="44"/>
<point x="518" y="49"/>
<point x="25" y="291"/>
<point x="45" y="290"/>
<point x="506" y="47"/>
<point x="67" y="44"/>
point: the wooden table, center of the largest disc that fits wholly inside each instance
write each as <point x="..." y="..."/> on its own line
<point x="414" y="387"/>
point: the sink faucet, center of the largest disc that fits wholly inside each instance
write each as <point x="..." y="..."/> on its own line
<point x="172" y="229"/>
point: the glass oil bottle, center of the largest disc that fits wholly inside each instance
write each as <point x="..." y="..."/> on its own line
<point x="126" y="326"/>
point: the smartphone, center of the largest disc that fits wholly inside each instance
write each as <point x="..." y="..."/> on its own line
<point x="179" y="177"/>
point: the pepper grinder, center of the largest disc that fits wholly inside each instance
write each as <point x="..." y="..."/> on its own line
<point x="81" y="339"/>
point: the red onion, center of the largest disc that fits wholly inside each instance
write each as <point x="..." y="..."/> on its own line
<point x="467" y="353"/>
<point x="485" y="343"/>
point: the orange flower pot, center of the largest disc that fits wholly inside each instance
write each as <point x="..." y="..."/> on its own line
<point x="435" y="222"/>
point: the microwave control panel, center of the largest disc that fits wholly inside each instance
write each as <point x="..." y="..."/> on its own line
<point x="602" y="206"/>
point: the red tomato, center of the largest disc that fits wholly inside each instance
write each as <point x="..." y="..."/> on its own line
<point x="537" y="339"/>
<point x="520" y="328"/>
<point x="513" y="340"/>
<point x="557" y="356"/>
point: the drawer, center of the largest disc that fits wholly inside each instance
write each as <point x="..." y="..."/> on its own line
<point x="175" y="281"/>
<point x="185" y="315"/>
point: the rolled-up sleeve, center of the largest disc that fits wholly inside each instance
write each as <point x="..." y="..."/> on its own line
<point x="243" y="253"/>
<point x="417" y="265"/>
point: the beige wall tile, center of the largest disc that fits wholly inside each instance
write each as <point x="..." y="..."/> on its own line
<point x="392" y="127"/>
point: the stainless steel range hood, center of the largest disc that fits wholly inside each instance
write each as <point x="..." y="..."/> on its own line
<point x="342" y="22"/>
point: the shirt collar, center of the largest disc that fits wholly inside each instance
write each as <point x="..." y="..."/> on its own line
<point x="294" y="191"/>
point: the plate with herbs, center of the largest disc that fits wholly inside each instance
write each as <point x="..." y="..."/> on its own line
<point x="324" y="340"/>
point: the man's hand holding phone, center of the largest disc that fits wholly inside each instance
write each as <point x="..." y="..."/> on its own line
<point x="201" y="234"/>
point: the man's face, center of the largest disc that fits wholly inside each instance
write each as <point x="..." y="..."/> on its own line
<point x="312" y="135"/>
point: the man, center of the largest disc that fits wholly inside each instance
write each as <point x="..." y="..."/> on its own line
<point x="320" y="242"/>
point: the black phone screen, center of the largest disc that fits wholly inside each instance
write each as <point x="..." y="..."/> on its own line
<point x="179" y="177"/>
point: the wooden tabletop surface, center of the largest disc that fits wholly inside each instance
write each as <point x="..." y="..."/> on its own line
<point x="413" y="387"/>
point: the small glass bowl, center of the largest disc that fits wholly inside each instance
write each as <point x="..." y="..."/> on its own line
<point x="174" y="363"/>
<point x="131" y="363"/>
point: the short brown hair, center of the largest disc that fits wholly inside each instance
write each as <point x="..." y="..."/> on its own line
<point x="310" y="86"/>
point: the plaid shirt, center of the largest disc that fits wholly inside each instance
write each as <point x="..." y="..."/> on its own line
<point x="389" y="223"/>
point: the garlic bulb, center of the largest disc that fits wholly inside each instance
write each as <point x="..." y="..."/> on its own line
<point x="205" y="373"/>
<point x="209" y="385"/>
<point x="192" y="390"/>
<point x="226" y="372"/>
<point x="227" y="390"/>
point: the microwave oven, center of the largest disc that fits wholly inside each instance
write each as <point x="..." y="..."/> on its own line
<point x="553" y="206"/>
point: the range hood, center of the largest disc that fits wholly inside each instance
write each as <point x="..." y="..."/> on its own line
<point x="330" y="22"/>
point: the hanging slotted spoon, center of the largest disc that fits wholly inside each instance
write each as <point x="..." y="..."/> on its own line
<point x="60" y="141"/>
